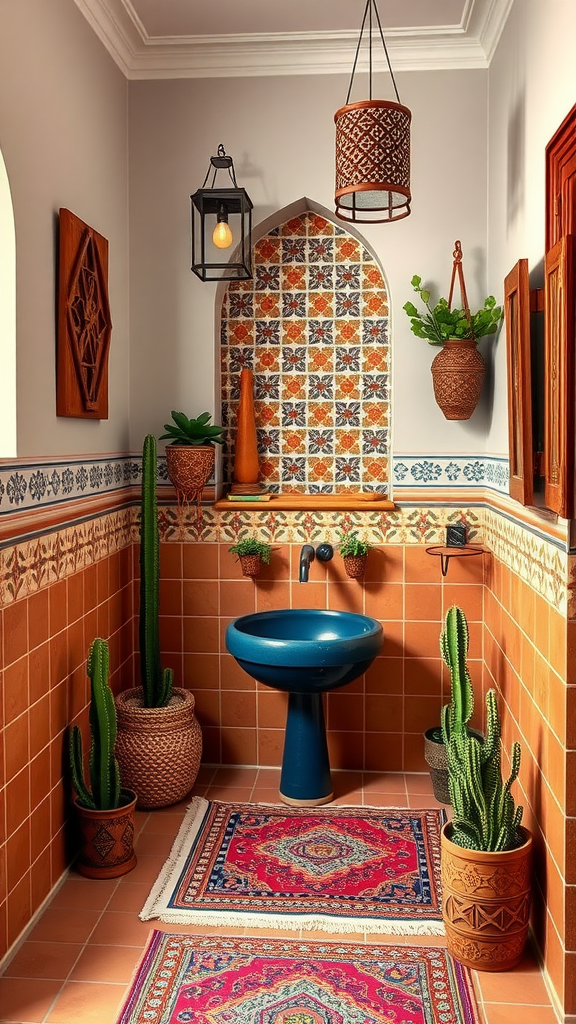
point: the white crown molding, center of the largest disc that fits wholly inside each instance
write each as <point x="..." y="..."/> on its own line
<point x="140" y="56"/>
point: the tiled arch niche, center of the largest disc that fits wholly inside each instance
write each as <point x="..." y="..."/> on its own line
<point x="312" y="325"/>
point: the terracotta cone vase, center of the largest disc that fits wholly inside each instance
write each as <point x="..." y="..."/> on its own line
<point x="106" y="839"/>
<point x="486" y="903"/>
<point x="158" y="749"/>
<point x="458" y="373"/>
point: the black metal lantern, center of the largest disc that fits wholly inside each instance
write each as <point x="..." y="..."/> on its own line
<point x="372" y="149"/>
<point x="221" y="218"/>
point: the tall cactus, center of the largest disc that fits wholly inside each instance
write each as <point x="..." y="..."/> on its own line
<point x="156" y="684"/>
<point x="485" y="816"/>
<point x="104" y="791"/>
<point x="454" y="642"/>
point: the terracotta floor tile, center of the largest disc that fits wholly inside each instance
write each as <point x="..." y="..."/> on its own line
<point x="59" y="924"/>
<point x="268" y="777"/>
<point x="355" y="798"/>
<point x="146" y="870"/>
<point x="229" y="794"/>
<point x="106" y="964"/>
<point x="152" y="843"/>
<point x="385" y="783"/>
<point x="524" y="984"/>
<point x="164" y="824"/>
<point x="44" y="960"/>
<point x="84" y="892"/>
<point x="234" y="777"/>
<point x="26" y="1002"/>
<point x="121" y="924"/>
<point x="507" y="1013"/>
<point x="88" y="1002"/>
<point x="390" y="800"/>
<point x="419" y="802"/>
<point x="265" y="796"/>
<point x="418" y="783"/>
<point x="129" y="897"/>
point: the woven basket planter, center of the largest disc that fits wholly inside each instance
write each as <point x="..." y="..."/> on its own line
<point x="355" y="566"/>
<point x="106" y="839"/>
<point x="486" y="903"/>
<point x="435" y="757"/>
<point x="189" y="468"/>
<point x="458" y="373"/>
<point x="158" y="749"/>
<point x="251" y="565"/>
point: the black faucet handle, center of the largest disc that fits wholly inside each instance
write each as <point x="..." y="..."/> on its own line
<point x="324" y="552"/>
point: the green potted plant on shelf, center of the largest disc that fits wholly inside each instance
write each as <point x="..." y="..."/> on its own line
<point x="159" y="741"/>
<point x="252" y="554"/>
<point x="486" y="853"/>
<point x="190" y="453"/>
<point x="458" y="370"/>
<point x="354" y="552"/>
<point x="102" y="806"/>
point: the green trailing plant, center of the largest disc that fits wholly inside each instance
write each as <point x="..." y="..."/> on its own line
<point x="156" y="683"/>
<point x="186" y="431"/>
<point x="438" y="323"/>
<point x="485" y="815"/>
<point x="104" y="791"/>
<point x="251" y="546"/>
<point x="350" y="545"/>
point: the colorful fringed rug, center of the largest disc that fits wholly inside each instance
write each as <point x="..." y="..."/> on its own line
<point x="341" y="869"/>
<point x="219" y="980"/>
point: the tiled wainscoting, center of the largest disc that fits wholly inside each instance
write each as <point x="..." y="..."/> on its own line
<point x="66" y="584"/>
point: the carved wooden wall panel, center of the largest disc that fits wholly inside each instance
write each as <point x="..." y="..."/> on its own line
<point x="559" y="398"/>
<point x="517" y="316"/>
<point x="84" y="324"/>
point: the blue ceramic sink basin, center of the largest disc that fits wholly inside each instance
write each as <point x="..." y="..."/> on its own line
<point x="304" y="650"/>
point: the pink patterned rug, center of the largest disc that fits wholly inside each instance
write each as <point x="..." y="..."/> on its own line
<point x="340" y="869"/>
<point x="187" y="979"/>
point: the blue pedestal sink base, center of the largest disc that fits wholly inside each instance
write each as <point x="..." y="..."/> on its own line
<point x="305" y="778"/>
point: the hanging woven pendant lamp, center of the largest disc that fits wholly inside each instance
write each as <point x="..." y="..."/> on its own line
<point x="372" y="149"/>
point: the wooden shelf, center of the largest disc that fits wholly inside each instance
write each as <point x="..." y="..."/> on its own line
<point x="309" y="502"/>
<point x="446" y="553"/>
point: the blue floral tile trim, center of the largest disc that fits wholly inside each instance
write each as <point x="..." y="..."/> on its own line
<point x="410" y="471"/>
<point x="32" y="485"/>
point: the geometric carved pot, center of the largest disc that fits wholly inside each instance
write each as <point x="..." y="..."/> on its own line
<point x="106" y="839"/>
<point x="158" y="749"/>
<point x="486" y="903"/>
<point x="458" y="373"/>
<point x="189" y="468"/>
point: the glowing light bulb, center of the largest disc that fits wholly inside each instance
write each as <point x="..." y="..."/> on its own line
<point x="222" y="236"/>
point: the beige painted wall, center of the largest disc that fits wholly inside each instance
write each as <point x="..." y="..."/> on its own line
<point x="532" y="86"/>
<point x="63" y="135"/>
<point x="280" y="132"/>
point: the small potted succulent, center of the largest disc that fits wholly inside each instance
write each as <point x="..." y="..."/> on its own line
<point x="103" y="808"/>
<point x="458" y="370"/>
<point x="252" y="553"/>
<point x="190" y="454"/>
<point x="354" y="552"/>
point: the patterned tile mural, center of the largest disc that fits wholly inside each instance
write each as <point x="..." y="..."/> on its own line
<point x="313" y="327"/>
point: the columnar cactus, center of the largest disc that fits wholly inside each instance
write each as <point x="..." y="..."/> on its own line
<point x="104" y="791"/>
<point x="156" y="684"/>
<point x="454" y="642"/>
<point x="485" y="816"/>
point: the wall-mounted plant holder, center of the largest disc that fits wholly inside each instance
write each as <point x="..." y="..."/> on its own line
<point x="445" y="553"/>
<point x="252" y="554"/>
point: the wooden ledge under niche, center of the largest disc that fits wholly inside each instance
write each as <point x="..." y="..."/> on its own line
<point x="346" y="502"/>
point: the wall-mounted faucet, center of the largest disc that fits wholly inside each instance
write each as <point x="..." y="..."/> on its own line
<point x="324" y="552"/>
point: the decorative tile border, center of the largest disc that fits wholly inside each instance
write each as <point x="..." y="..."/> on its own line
<point x="33" y="564"/>
<point x="450" y="471"/>
<point x="43" y="483"/>
<point x="539" y="561"/>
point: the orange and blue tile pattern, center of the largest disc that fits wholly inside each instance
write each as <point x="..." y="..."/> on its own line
<point x="312" y="325"/>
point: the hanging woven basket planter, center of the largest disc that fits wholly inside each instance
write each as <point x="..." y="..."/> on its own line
<point x="458" y="373"/>
<point x="355" y="566"/>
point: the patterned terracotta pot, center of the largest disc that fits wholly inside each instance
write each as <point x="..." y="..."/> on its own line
<point x="107" y="839"/>
<point x="486" y="903"/>
<point x="189" y="468"/>
<point x="458" y="373"/>
<point x="355" y="566"/>
<point x="158" y="749"/>
<point x="251" y="565"/>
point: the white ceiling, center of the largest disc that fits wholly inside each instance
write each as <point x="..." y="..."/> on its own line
<point x="228" y="38"/>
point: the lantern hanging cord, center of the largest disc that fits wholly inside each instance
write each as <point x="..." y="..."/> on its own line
<point x="368" y="8"/>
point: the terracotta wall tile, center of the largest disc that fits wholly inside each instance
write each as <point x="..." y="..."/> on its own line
<point x="346" y="596"/>
<point x="271" y="709"/>
<point x="237" y="598"/>
<point x="272" y="595"/>
<point x="57" y="607"/>
<point x="383" y="751"/>
<point x="418" y="566"/>
<point x="385" y="564"/>
<point x="385" y="676"/>
<point x="345" y="749"/>
<point x="270" y="746"/>
<point x="238" y="746"/>
<point x="171" y="561"/>
<point x="345" y="711"/>
<point x="384" y="600"/>
<point x="37" y="618"/>
<point x="239" y="709"/>
<point x="469" y="597"/>
<point x="200" y="561"/>
<point x="423" y="601"/>
<point x="16" y="697"/>
<point x="198" y="597"/>
<point x="384" y="713"/>
<point x="15" y="631"/>
<point x="201" y="671"/>
<point x="557" y="642"/>
<point x="207" y="708"/>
